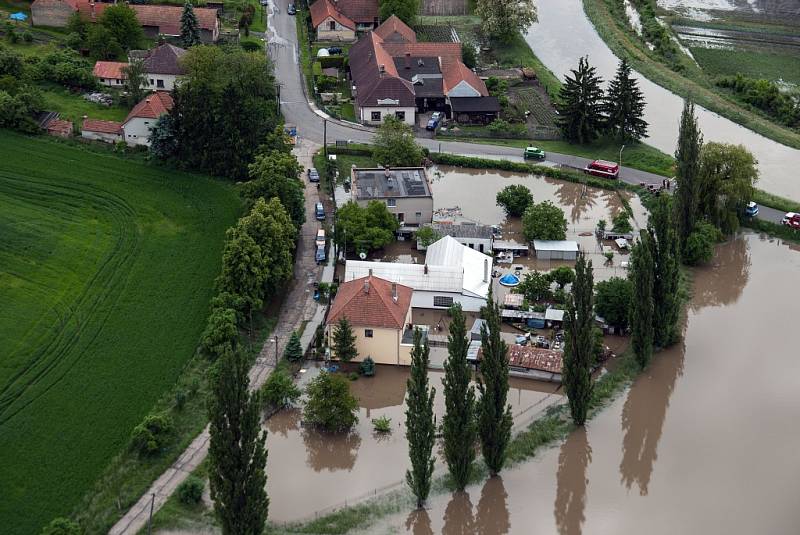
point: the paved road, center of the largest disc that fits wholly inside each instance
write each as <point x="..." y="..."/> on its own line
<point x="311" y="122"/>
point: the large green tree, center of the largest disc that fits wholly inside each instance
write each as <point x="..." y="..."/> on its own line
<point x="458" y="424"/>
<point x="544" y="221"/>
<point x="504" y="20"/>
<point x="580" y="104"/>
<point x="243" y="269"/>
<point x="271" y="228"/>
<point x="624" y="105"/>
<point x="190" y="29"/>
<point x="237" y="452"/>
<point x="275" y="174"/>
<point x="135" y="82"/>
<point x="224" y="110"/>
<point x="121" y="22"/>
<point x="220" y="334"/>
<point x="579" y="348"/>
<point x="562" y="275"/>
<point x="727" y="177"/>
<point x="330" y="406"/>
<point x="420" y="421"/>
<point x="344" y="341"/>
<point x="394" y="145"/>
<point x="514" y="199"/>
<point x="535" y="286"/>
<point x="405" y="10"/>
<point x="365" y="229"/>
<point x="666" y="273"/>
<point x="613" y="301"/>
<point x="642" y="309"/>
<point x="494" y="413"/>
<point x="687" y="156"/>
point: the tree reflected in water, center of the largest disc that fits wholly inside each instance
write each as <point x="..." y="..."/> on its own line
<point x="330" y="451"/>
<point x="492" y="516"/>
<point x="458" y="518"/>
<point x="283" y="421"/>
<point x="571" y="480"/>
<point x="419" y="523"/>
<point x="721" y="283"/>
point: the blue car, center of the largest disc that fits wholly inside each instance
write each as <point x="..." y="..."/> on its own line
<point x="434" y="121"/>
<point x="751" y="210"/>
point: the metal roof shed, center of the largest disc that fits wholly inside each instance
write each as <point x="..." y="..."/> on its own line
<point x="556" y="250"/>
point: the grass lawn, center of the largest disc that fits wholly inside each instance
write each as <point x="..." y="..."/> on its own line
<point x="108" y="266"/>
<point x="750" y="63"/>
<point x="73" y="106"/>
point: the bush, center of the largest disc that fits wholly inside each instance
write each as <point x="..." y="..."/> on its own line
<point x="190" y="492"/>
<point x="27" y="37"/>
<point x="382" y="424"/>
<point x="514" y="199"/>
<point x="279" y="390"/>
<point x="622" y="222"/>
<point x="150" y="436"/>
<point x="250" y="46"/>
<point x="699" y="247"/>
<point x="330" y="406"/>
<point x="353" y="376"/>
<point x="62" y="526"/>
<point x="367" y="367"/>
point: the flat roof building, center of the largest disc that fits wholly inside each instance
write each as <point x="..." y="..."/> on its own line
<point x="556" y="250"/>
<point x="405" y="190"/>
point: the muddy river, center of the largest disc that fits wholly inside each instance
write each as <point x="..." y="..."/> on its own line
<point x="311" y="471"/>
<point x="560" y="18"/>
<point x="703" y="442"/>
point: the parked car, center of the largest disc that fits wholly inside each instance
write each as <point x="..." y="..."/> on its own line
<point x="534" y="152"/>
<point x="319" y="211"/>
<point x="434" y="121"/>
<point x="334" y="50"/>
<point x="291" y="10"/>
<point x="313" y="175"/>
<point x="791" y="219"/>
<point x="751" y="210"/>
<point x="603" y="169"/>
<point x="320" y="241"/>
<point x="320" y="255"/>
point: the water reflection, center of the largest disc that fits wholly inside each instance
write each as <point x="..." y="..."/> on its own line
<point x="725" y="278"/>
<point x="419" y="523"/>
<point x="330" y="451"/>
<point x="578" y="198"/>
<point x="492" y="517"/>
<point x="458" y="519"/>
<point x="284" y="421"/>
<point x="571" y="481"/>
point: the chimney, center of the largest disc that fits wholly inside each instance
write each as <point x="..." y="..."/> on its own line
<point x="426" y="269"/>
<point x="370" y="272"/>
<point x="394" y="292"/>
<point x="366" y="285"/>
<point x="408" y="60"/>
<point x="485" y="270"/>
<point x="381" y="69"/>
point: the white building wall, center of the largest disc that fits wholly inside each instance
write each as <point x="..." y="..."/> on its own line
<point x="424" y="299"/>
<point x="366" y="114"/>
<point x="463" y="89"/>
<point x="101" y="136"/>
<point x="167" y="81"/>
<point x="111" y="82"/>
<point x="137" y="131"/>
<point x="338" y="33"/>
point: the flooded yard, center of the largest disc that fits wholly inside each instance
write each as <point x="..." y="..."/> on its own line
<point x="311" y="471"/>
<point x="703" y="442"/>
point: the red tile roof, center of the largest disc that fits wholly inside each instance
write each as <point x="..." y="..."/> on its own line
<point x="168" y="18"/>
<point x="103" y="127"/>
<point x="454" y="72"/>
<point x="322" y="9"/>
<point x="367" y="302"/>
<point x="109" y="69"/>
<point x="90" y="10"/>
<point x="366" y="58"/>
<point x="59" y="127"/>
<point x="151" y="107"/>
<point x="535" y="358"/>
<point x="361" y="11"/>
<point x="423" y="50"/>
<point x="395" y="30"/>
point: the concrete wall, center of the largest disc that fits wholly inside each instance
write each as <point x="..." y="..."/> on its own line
<point x="339" y="33"/>
<point x="167" y="81"/>
<point x="54" y="13"/>
<point x="100" y="136"/>
<point x="366" y="114"/>
<point x="137" y="131"/>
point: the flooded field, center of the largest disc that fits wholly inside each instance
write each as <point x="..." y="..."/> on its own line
<point x="311" y="471"/>
<point x="557" y="18"/>
<point x="583" y="208"/>
<point x="703" y="442"/>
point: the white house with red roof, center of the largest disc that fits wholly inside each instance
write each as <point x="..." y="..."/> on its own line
<point x="97" y="130"/>
<point x="342" y="20"/>
<point x="110" y="73"/>
<point x="379" y="312"/>
<point x="136" y="127"/>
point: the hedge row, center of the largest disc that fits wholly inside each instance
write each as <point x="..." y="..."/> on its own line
<point x="773" y="229"/>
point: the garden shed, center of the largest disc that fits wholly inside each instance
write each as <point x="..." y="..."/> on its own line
<point x="556" y="250"/>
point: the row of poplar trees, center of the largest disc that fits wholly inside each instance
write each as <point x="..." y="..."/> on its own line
<point x="467" y="420"/>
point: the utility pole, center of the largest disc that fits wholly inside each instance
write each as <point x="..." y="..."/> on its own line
<point x="325" y="139"/>
<point x="150" y="519"/>
<point x="620" y="157"/>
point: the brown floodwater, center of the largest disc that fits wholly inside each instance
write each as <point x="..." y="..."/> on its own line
<point x="703" y="442"/>
<point x="311" y="471"/>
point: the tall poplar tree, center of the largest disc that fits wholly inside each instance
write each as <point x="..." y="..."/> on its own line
<point x="642" y="307"/>
<point x="190" y="29"/>
<point x="581" y="104"/>
<point x="624" y="105"/>
<point x="420" y="421"/>
<point x="579" y="349"/>
<point x="237" y="452"/>
<point x="687" y="156"/>
<point x="494" y="413"/>
<point x="666" y="273"/>
<point x="459" y="399"/>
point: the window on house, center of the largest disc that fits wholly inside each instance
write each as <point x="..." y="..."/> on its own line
<point x="401" y="217"/>
<point x="391" y="202"/>
<point x="480" y="247"/>
<point x="152" y="82"/>
<point x="376" y="116"/>
<point x="332" y="25"/>
<point x="442" y="301"/>
<point x="367" y="333"/>
<point x="400" y="115"/>
<point x="102" y="80"/>
<point x="160" y="83"/>
<point x="418" y="215"/>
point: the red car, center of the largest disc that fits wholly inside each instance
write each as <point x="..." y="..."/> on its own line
<point x="603" y="169"/>
<point x="791" y="220"/>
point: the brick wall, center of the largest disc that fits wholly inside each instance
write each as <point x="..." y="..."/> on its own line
<point x="54" y="13"/>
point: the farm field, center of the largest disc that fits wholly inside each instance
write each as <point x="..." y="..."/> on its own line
<point x="106" y="270"/>
<point x="719" y="62"/>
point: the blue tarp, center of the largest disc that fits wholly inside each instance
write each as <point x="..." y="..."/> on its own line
<point x="18" y="16"/>
<point x="509" y="279"/>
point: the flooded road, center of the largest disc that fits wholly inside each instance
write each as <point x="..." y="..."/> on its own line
<point x="560" y="18"/>
<point x="310" y="471"/>
<point x="704" y="442"/>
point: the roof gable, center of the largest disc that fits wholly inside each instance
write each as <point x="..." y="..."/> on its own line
<point x="459" y="79"/>
<point x="109" y="69"/>
<point x="168" y="18"/>
<point x="368" y="301"/>
<point x="395" y="30"/>
<point x="151" y="107"/>
<point x="164" y="59"/>
<point x="360" y="11"/>
<point x="321" y="10"/>
<point x="103" y="127"/>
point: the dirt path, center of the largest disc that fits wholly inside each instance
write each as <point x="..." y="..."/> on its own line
<point x="298" y="306"/>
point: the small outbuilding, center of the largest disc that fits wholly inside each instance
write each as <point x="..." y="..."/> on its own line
<point x="108" y="131"/>
<point x="556" y="250"/>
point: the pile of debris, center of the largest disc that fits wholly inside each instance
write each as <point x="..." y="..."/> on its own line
<point x="99" y="98"/>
